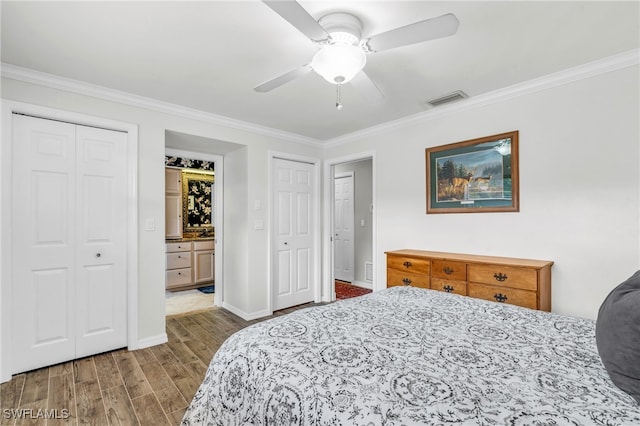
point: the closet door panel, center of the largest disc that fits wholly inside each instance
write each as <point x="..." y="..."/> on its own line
<point x="50" y="299"/>
<point x="101" y="244"/>
<point x="99" y="317"/>
<point x="43" y="275"/>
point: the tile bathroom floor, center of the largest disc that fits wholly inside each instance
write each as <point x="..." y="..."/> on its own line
<point x="181" y="302"/>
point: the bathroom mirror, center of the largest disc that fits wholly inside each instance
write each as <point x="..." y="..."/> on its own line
<point x="197" y="211"/>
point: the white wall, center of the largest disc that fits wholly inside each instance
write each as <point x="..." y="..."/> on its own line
<point x="235" y="230"/>
<point x="579" y="186"/>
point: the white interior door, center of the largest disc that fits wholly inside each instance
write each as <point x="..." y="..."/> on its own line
<point x="101" y="286"/>
<point x="44" y="279"/>
<point x="69" y="258"/>
<point x="344" y="228"/>
<point x="294" y="210"/>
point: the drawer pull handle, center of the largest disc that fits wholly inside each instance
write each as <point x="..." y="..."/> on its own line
<point x="500" y="297"/>
<point x="407" y="264"/>
<point x="406" y="281"/>
<point x="500" y="277"/>
<point x="448" y="288"/>
<point x="447" y="270"/>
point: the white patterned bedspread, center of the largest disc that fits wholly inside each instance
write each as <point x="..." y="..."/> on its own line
<point x="407" y="356"/>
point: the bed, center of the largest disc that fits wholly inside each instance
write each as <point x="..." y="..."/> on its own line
<point x="408" y="356"/>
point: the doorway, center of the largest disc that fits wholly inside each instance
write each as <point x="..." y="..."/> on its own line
<point x="194" y="258"/>
<point x="339" y="193"/>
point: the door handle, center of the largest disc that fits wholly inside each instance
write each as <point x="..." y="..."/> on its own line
<point x="98" y="254"/>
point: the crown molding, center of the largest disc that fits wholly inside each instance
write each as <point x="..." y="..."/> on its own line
<point x="52" y="81"/>
<point x="601" y="66"/>
<point x="591" y="69"/>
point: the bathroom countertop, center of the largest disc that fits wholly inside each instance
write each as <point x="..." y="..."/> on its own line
<point x="179" y="240"/>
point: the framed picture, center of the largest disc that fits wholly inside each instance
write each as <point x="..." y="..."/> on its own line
<point x="197" y="205"/>
<point x="474" y="176"/>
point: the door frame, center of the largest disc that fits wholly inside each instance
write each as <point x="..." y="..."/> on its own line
<point x="6" y="229"/>
<point x="317" y="290"/>
<point x="328" y="203"/>
<point x="218" y="200"/>
<point x="349" y="174"/>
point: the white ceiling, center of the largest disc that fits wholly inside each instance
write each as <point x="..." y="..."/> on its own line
<point x="208" y="55"/>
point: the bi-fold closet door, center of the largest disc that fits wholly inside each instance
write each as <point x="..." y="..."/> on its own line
<point x="69" y="257"/>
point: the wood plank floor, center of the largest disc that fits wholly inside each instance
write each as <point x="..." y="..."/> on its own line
<point x="151" y="386"/>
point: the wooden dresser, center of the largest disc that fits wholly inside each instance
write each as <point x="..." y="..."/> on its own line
<point x="522" y="282"/>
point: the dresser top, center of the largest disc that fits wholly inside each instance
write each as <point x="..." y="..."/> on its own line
<point x="509" y="261"/>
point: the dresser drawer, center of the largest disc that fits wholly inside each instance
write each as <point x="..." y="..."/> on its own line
<point x="527" y="299"/>
<point x="449" y="286"/>
<point x="176" y="247"/>
<point x="178" y="277"/>
<point x="449" y="269"/>
<point x="178" y="260"/>
<point x="396" y="277"/>
<point x="203" y="245"/>
<point x="409" y="264"/>
<point x="505" y="276"/>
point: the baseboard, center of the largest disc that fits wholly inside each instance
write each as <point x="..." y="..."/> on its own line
<point x="363" y="284"/>
<point x="152" y="341"/>
<point x="245" y="315"/>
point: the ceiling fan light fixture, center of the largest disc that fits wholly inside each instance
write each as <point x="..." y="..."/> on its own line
<point x="344" y="38"/>
<point x="338" y="63"/>
<point x="342" y="27"/>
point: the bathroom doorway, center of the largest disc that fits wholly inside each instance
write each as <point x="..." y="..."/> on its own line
<point x="191" y="207"/>
<point x="178" y="144"/>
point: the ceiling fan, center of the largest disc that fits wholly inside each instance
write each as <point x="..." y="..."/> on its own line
<point x="342" y="54"/>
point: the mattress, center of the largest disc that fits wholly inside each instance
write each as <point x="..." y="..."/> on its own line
<point x="410" y="356"/>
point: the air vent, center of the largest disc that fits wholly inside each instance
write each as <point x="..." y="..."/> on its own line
<point x="451" y="97"/>
<point x="368" y="271"/>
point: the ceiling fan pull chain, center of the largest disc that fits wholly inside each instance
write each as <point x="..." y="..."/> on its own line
<point x="338" y="101"/>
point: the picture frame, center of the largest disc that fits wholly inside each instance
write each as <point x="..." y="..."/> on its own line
<point x="197" y="208"/>
<point x="474" y="176"/>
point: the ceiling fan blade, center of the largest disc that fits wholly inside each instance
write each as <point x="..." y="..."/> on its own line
<point x="284" y="78"/>
<point x="366" y="87"/>
<point x="430" y="29"/>
<point x="297" y="16"/>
